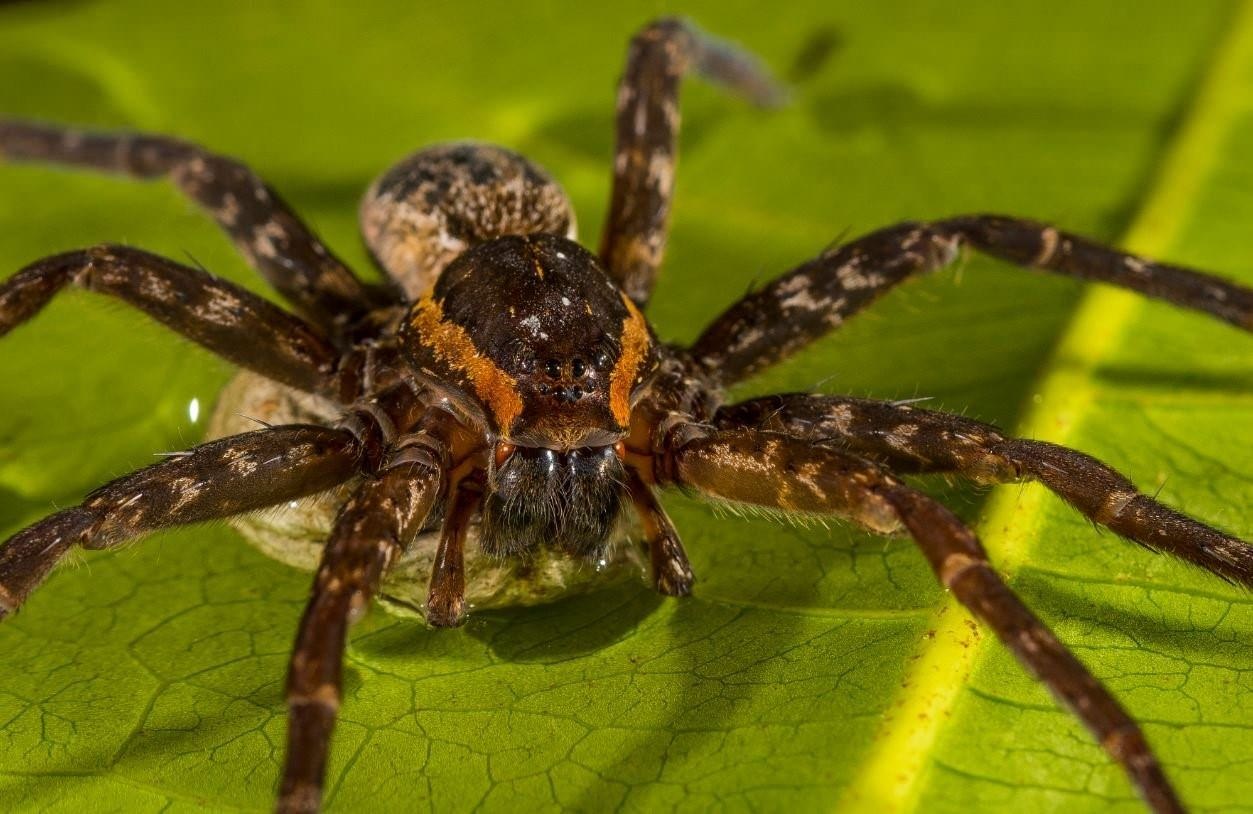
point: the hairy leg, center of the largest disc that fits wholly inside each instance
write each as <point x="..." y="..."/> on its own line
<point x="909" y="438"/>
<point x="791" y="474"/>
<point x="647" y="138"/>
<point x="264" y="228"/>
<point x="241" y="473"/>
<point x="228" y="320"/>
<point x="372" y="529"/>
<point x="916" y="440"/>
<point x="808" y="302"/>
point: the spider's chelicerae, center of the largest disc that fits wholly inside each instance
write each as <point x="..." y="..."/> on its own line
<point x="506" y="378"/>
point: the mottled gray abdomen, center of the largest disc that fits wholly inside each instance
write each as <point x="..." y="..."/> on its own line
<point x="438" y="202"/>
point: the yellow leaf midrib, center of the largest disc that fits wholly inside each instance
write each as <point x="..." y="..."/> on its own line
<point x="893" y="775"/>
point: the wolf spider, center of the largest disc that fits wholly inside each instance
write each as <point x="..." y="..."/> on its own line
<point x="506" y="376"/>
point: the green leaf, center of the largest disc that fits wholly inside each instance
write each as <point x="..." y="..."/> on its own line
<point x="815" y="668"/>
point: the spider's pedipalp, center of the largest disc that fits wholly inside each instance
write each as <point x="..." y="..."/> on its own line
<point x="770" y="324"/>
<point x="647" y="124"/>
<point x="910" y="439"/>
<point x="269" y="234"/>
<point x="671" y="571"/>
<point x="780" y="472"/>
<point x="374" y="527"/>
<point x="230" y="321"/>
<point x="229" y="476"/>
<point x="446" y="595"/>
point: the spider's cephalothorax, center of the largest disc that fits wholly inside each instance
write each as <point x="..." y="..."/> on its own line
<point x="535" y="344"/>
<point x="507" y="380"/>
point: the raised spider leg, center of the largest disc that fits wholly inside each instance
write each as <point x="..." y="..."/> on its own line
<point x="264" y="228"/>
<point x="241" y="473"/>
<point x="372" y="529"/>
<point x="647" y="127"/>
<point x="907" y="438"/>
<point x="228" y="320"/>
<point x="768" y="325"/>
<point x="781" y="472"/>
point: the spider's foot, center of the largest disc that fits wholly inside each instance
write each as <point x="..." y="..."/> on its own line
<point x="445" y="610"/>
<point x="8" y="603"/>
<point x="672" y="573"/>
<point x="305" y="798"/>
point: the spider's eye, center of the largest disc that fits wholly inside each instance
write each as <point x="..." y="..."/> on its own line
<point x="553" y="368"/>
<point x="577" y="368"/>
<point x="527" y="365"/>
<point x="601" y="360"/>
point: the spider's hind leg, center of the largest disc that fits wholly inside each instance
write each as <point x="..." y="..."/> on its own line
<point x="263" y="227"/>
<point x="432" y="206"/>
<point x="916" y="440"/>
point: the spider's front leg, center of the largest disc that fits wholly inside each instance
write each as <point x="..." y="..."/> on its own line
<point x="371" y="531"/>
<point x="813" y="299"/>
<point x="912" y="439"/>
<point x="267" y="232"/>
<point x="790" y="474"/>
<point x="229" y="321"/>
<point x="229" y="476"/>
<point x="647" y="123"/>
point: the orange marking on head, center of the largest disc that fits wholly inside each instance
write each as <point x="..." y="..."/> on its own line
<point x="450" y="342"/>
<point x="634" y="342"/>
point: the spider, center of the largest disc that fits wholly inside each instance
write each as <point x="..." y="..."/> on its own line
<point x="506" y="379"/>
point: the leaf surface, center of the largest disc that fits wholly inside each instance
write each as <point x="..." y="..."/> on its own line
<point x="151" y="678"/>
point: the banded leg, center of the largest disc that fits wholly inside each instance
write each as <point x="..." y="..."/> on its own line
<point x="233" y="323"/>
<point x="907" y="438"/>
<point x="372" y="529"/>
<point x="241" y="473"/>
<point x="780" y="472"/>
<point x="770" y="324"/>
<point x="647" y="122"/>
<point x="275" y="241"/>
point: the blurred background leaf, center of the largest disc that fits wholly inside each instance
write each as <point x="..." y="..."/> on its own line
<point x="151" y="678"/>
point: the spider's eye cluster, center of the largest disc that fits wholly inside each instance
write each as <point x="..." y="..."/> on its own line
<point x="556" y="370"/>
<point x="565" y="381"/>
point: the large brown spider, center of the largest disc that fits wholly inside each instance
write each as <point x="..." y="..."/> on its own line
<point x="507" y="376"/>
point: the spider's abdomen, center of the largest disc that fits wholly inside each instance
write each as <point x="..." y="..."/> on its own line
<point x="432" y="206"/>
